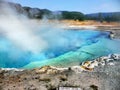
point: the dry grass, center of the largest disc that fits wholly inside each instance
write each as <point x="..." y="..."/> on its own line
<point x="89" y="22"/>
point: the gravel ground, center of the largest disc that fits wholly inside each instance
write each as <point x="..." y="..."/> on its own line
<point x="101" y="78"/>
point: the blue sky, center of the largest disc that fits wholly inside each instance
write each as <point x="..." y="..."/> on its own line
<point x="85" y="6"/>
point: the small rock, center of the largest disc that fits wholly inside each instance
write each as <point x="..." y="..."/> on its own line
<point x="45" y="79"/>
<point x="63" y="78"/>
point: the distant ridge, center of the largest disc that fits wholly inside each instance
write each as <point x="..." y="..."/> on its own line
<point x="104" y="14"/>
<point x="37" y="13"/>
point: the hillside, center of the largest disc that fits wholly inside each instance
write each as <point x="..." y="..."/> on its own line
<point x="109" y="16"/>
<point x="36" y="13"/>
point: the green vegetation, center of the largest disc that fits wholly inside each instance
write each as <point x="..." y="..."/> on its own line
<point x="112" y="18"/>
<point x="104" y="17"/>
<point x="73" y="15"/>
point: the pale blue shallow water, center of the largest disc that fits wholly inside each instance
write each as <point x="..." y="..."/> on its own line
<point x="65" y="48"/>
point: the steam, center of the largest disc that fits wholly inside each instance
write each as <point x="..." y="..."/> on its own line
<point x="18" y="29"/>
<point x="23" y="41"/>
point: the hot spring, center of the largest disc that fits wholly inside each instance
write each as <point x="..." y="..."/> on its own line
<point x="25" y="43"/>
<point x="62" y="48"/>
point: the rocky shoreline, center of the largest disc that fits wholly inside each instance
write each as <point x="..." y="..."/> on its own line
<point x="100" y="74"/>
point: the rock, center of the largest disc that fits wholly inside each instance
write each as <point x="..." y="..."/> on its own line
<point x="63" y="77"/>
<point x="94" y="87"/>
<point x="15" y="7"/>
<point x="91" y="87"/>
<point x="44" y="79"/>
<point x="77" y="69"/>
<point x="31" y="87"/>
<point x="90" y="65"/>
<point x="47" y="70"/>
<point x="34" y="13"/>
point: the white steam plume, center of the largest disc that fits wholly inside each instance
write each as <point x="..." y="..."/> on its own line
<point x="17" y="30"/>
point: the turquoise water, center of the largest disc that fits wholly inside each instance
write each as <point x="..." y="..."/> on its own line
<point x="65" y="48"/>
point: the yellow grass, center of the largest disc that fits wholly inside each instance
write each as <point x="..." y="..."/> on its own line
<point x="89" y="22"/>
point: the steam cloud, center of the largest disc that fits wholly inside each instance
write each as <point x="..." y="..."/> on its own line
<point x="20" y="35"/>
<point x="17" y="29"/>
